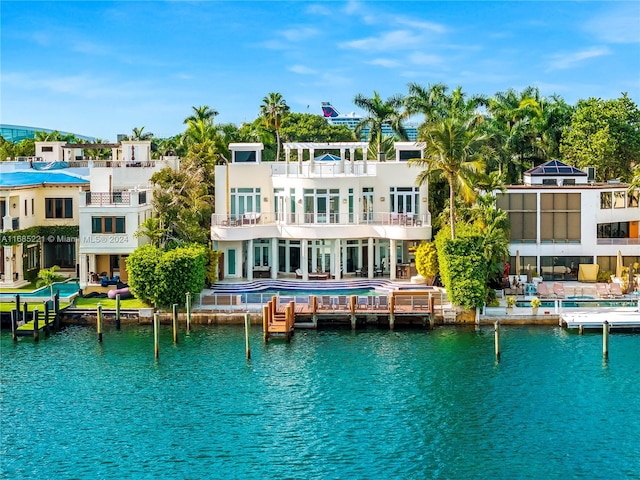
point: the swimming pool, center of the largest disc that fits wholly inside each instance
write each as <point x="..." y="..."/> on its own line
<point x="586" y="303"/>
<point x="66" y="289"/>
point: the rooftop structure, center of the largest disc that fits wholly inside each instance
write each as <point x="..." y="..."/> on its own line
<point x="16" y="133"/>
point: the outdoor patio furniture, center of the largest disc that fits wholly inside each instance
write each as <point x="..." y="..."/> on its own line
<point x="298" y="273"/>
<point x="543" y="291"/>
<point x="558" y="289"/>
<point x="603" y="290"/>
<point x="343" y="302"/>
<point x="615" y="290"/>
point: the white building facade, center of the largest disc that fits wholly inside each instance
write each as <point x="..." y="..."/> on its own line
<point x="318" y="216"/>
<point x="560" y="219"/>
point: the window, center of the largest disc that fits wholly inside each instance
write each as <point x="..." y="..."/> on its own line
<point x="33" y="206"/>
<point x="244" y="157"/>
<point x="605" y="200"/>
<point x="560" y="217"/>
<point x="633" y="199"/>
<point x="403" y="199"/>
<point x="406" y="155"/>
<point x="32" y="257"/>
<point x="107" y="225"/>
<point x="613" y="230"/>
<point x="245" y="200"/>
<point x="522" y="211"/>
<point x="62" y="254"/>
<point x="58" y="207"/>
<point x="321" y="205"/>
<point x="47" y="149"/>
<point x="549" y="181"/>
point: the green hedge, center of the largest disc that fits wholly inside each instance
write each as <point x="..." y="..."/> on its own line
<point x="463" y="267"/>
<point x="164" y="277"/>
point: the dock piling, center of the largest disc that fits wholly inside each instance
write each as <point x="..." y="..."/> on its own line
<point x="188" y="305"/>
<point x="117" y="311"/>
<point x="156" y="336"/>
<point x="247" y="323"/>
<point x="496" y="328"/>
<point x="14" y="324"/>
<point x="99" y="322"/>
<point x="36" y="333"/>
<point x="265" y="323"/>
<point x="175" y="323"/>
<point x="605" y="339"/>
<point x="47" y="329"/>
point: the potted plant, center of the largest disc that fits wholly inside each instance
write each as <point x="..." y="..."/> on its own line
<point x="511" y="302"/>
<point x="535" y="304"/>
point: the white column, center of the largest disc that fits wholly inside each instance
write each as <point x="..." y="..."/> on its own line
<point x="92" y="263"/>
<point x="7" y="254"/>
<point x="393" y="261"/>
<point x="304" y="260"/>
<point x="337" y="258"/>
<point x="311" y="161"/>
<point x="274" y="258"/>
<point x="370" y="258"/>
<point x="84" y="270"/>
<point x="352" y="159"/>
<point x="250" y="259"/>
<point x="300" y="155"/>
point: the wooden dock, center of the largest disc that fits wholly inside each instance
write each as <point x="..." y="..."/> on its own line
<point x="400" y="308"/>
<point x="32" y="322"/>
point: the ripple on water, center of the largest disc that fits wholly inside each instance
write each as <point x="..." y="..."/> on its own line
<point x="371" y="404"/>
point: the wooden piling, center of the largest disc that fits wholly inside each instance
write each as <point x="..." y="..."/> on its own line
<point x="314" y="310"/>
<point x="36" y="333"/>
<point x="117" y="311"/>
<point x="47" y="329"/>
<point x="18" y="307"/>
<point x="265" y="323"/>
<point x="25" y="312"/>
<point x="99" y="322"/>
<point x="605" y="339"/>
<point x="392" y="306"/>
<point x="353" y="301"/>
<point x="14" y="324"/>
<point x="188" y="305"/>
<point x="175" y="323"/>
<point x="56" y="311"/>
<point x="496" y="328"/>
<point x="247" y="323"/>
<point x="156" y="336"/>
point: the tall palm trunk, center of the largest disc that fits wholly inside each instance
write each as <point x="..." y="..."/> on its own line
<point x="452" y="207"/>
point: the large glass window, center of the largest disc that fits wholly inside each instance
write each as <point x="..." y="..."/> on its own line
<point x="58" y="207"/>
<point x="367" y="204"/>
<point x="619" y="200"/>
<point x="403" y="200"/>
<point x="605" y="200"/>
<point x="62" y="254"/>
<point x="560" y="217"/>
<point x="245" y="200"/>
<point x="633" y="198"/>
<point x="322" y="205"/>
<point x="522" y="211"/>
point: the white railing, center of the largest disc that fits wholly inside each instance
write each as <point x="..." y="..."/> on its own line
<point x="322" y="169"/>
<point x="266" y="218"/>
<point x="619" y="241"/>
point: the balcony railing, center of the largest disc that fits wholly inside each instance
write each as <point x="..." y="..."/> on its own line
<point x="300" y="218"/>
<point x="619" y="241"/>
<point x="322" y="169"/>
<point x="108" y="198"/>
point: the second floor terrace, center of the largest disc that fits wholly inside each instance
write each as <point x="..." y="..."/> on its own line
<point x="126" y="198"/>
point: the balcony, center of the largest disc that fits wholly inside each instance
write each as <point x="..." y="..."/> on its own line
<point x="619" y="241"/>
<point x="9" y="223"/>
<point x="251" y="219"/>
<point x="323" y="169"/>
<point x="108" y="198"/>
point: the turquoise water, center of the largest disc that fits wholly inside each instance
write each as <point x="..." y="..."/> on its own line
<point x="583" y="303"/>
<point x="368" y="405"/>
<point x="66" y="289"/>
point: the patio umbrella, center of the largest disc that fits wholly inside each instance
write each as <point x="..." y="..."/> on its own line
<point x="518" y="263"/>
<point x="619" y="265"/>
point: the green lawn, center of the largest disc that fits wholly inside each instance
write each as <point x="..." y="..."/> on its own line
<point x="8" y="306"/>
<point x="110" y="303"/>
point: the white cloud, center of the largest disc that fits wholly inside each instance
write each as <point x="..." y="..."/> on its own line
<point x="621" y="25"/>
<point x="419" y="24"/>
<point x="299" y="33"/>
<point x="302" y="70"/>
<point x="394" y="40"/>
<point x="385" y="62"/>
<point x="563" y="61"/>
<point x="419" y="58"/>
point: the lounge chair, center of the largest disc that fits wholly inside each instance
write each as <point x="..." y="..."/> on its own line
<point x="543" y="291"/>
<point x="558" y="289"/>
<point x="343" y="302"/>
<point x="363" y="302"/>
<point x="325" y="303"/>
<point x="298" y="273"/>
<point x="603" y="290"/>
<point x="383" y="302"/>
<point x="615" y="291"/>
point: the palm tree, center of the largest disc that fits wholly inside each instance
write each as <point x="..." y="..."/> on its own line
<point x="204" y="113"/>
<point x="48" y="276"/>
<point x="429" y="101"/>
<point x="153" y="229"/>
<point x="379" y="113"/>
<point x="272" y="111"/>
<point x="139" y="135"/>
<point x="453" y="151"/>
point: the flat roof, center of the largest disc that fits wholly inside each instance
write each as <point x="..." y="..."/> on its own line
<point x="35" y="178"/>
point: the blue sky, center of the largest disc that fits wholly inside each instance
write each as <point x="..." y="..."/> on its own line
<point x="103" y="68"/>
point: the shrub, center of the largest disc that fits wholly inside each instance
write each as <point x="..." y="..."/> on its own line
<point x="535" y="302"/>
<point x="179" y="271"/>
<point x="511" y="301"/>
<point x="141" y="267"/>
<point x="427" y="261"/>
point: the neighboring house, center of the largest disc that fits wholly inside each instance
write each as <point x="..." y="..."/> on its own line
<point x="31" y="198"/>
<point x="318" y="216"/>
<point x="119" y="200"/>
<point x="560" y="218"/>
